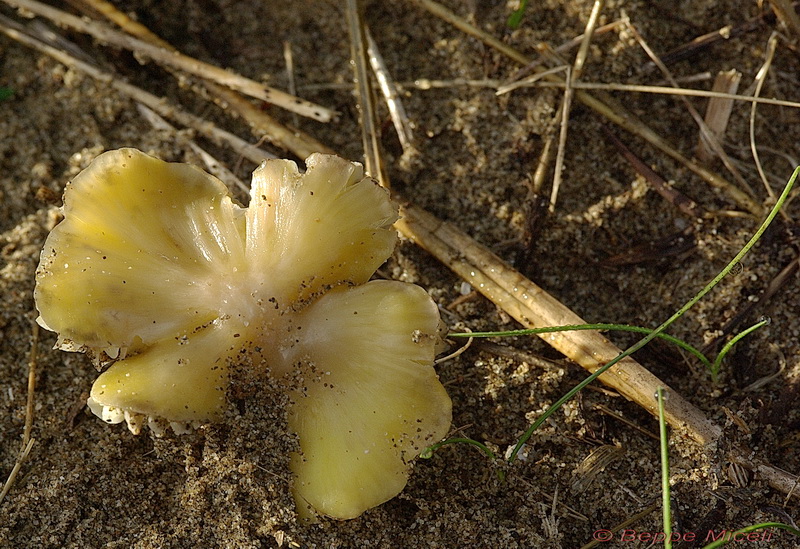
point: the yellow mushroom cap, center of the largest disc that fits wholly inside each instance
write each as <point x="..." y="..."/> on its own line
<point x="155" y="266"/>
<point x="141" y="245"/>
<point x="371" y="400"/>
<point x="327" y="226"/>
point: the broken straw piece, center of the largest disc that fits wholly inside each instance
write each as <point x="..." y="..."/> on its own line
<point x="156" y="265"/>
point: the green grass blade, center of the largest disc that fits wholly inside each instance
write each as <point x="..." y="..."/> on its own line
<point x="515" y="18"/>
<point x="597" y="326"/>
<point x="666" y="499"/>
<point x="728" y="346"/>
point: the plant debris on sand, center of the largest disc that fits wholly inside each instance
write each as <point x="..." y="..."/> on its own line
<point x="87" y="484"/>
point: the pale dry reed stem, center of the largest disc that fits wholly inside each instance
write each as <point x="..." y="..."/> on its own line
<point x="179" y="61"/>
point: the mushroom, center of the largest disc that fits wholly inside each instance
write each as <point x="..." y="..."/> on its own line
<point x="157" y="271"/>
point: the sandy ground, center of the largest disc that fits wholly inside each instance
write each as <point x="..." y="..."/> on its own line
<point x="87" y="484"/>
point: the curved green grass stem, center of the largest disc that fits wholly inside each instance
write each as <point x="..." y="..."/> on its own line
<point x="428" y="452"/>
<point x="666" y="505"/>
<point x="763" y="321"/>
<point x="597" y="326"/>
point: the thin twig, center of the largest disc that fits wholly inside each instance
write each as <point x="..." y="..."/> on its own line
<point x="387" y="86"/>
<point x="261" y="124"/>
<point x="158" y="104"/>
<point x="660" y="90"/>
<point x="419" y="84"/>
<point x="588" y="34"/>
<point x="699" y="44"/>
<point x="366" y="103"/>
<point x="535" y="77"/>
<point x="561" y="149"/>
<point x="288" y="58"/>
<point x="761" y="77"/>
<point x="12" y="476"/>
<point x="27" y="440"/>
<point x="458" y="352"/>
<point x="26" y="433"/>
<point x="569" y="92"/>
<point x="264" y="126"/>
<point x="179" y="61"/>
<point x="516" y="354"/>
<point x="540" y="173"/>
<point x="675" y="197"/>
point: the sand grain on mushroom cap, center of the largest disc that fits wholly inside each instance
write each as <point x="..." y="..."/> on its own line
<point x="155" y="266"/>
